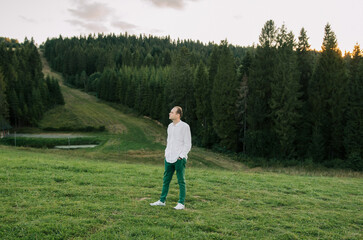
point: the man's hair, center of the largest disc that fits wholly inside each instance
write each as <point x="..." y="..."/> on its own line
<point x="179" y="111"/>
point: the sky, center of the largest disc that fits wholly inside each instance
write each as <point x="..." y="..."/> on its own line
<point x="238" y="21"/>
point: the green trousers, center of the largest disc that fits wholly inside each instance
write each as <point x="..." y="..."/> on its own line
<point x="170" y="168"/>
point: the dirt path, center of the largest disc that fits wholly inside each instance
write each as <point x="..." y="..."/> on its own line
<point x="47" y="71"/>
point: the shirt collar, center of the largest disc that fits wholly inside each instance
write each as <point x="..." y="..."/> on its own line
<point x="175" y="125"/>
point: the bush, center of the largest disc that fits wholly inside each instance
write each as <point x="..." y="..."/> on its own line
<point x="74" y="129"/>
<point x="355" y="161"/>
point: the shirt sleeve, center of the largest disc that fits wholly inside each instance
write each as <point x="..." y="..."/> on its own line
<point x="187" y="142"/>
<point x="167" y="141"/>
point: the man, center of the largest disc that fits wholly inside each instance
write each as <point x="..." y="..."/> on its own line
<point x="178" y="145"/>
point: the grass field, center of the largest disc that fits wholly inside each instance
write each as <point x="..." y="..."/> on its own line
<point x="50" y="196"/>
<point x="104" y="192"/>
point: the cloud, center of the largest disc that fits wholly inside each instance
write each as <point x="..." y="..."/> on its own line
<point x="97" y="17"/>
<point x="92" y="11"/>
<point x="123" y="25"/>
<point x="156" y="31"/>
<point x="29" y="20"/>
<point x="176" y="4"/>
<point x="89" y="26"/>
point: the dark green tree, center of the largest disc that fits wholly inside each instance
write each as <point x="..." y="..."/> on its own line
<point x="328" y="97"/>
<point x="180" y="86"/>
<point x="305" y="67"/>
<point x="259" y="132"/>
<point x="213" y="63"/>
<point x="353" y="138"/>
<point x="241" y="104"/>
<point x="107" y="85"/>
<point x="224" y="95"/>
<point x="203" y="90"/>
<point x="284" y="102"/>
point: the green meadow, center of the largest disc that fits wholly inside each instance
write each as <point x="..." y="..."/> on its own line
<point x="48" y="195"/>
<point x="104" y="192"/>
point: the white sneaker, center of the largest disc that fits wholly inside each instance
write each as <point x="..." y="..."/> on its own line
<point x="179" y="206"/>
<point x="157" y="203"/>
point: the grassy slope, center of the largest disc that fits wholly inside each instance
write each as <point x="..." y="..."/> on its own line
<point x="128" y="139"/>
<point x="50" y="196"/>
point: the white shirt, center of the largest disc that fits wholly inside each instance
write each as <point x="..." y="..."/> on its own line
<point x="179" y="142"/>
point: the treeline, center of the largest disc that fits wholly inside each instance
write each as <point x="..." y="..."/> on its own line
<point x="279" y="100"/>
<point x="91" y="54"/>
<point x="9" y="42"/>
<point x="24" y="93"/>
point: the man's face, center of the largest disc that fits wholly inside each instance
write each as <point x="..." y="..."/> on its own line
<point x="173" y="115"/>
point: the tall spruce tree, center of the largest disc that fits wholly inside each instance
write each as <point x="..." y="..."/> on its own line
<point x="305" y="67"/>
<point x="203" y="108"/>
<point x="304" y="60"/>
<point x="353" y="139"/>
<point x="285" y="103"/>
<point x="213" y="63"/>
<point x="259" y="134"/>
<point x="180" y="87"/>
<point x="224" y="96"/>
<point x="241" y="104"/>
<point x="328" y="98"/>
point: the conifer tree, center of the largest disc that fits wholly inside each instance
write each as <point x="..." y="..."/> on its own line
<point x="304" y="62"/>
<point x="59" y="99"/>
<point x="328" y="97"/>
<point x="285" y="102"/>
<point x="305" y="67"/>
<point x="224" y="96"/>
<point x="241" y="104"/>
<point x="203" y="108"/>
<point x="213" y="63"/>
<point x="180" y="86"/>
<point x="83" y="81"/>
<point x="259" y="135"/>
<point x="108" y="83"/>
<point x="353" y="137"/>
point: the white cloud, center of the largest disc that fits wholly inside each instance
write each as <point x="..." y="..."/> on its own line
<point x="95" y="17"/>
<point x="123" y="25"/>
<point x="92" y="11"/>
<point x="89" y="26"/>
<point x="26" y="19"/>
<point x="176" y="4"/>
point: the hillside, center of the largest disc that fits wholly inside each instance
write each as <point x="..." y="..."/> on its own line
<point x="129" y="138"/>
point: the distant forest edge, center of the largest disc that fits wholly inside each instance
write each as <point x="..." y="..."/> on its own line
<point x="279" y="101"/>
<point x="24" y="92"/>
